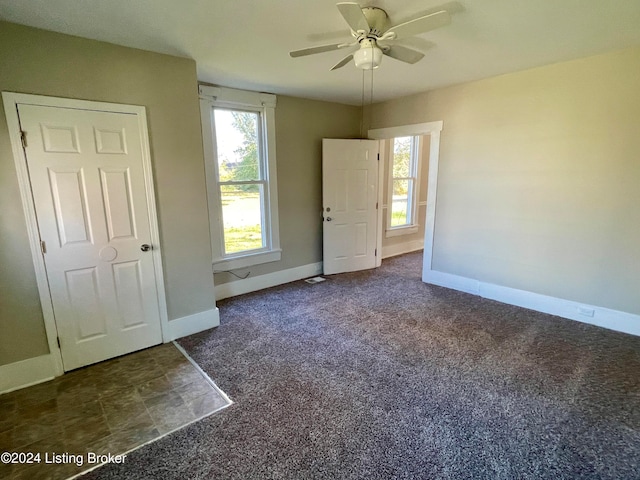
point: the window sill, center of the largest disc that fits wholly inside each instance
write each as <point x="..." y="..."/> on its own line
<point x="398" y="231"/>
<point x="248" y="260"/>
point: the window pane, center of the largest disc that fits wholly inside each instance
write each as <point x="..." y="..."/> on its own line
<point x="402" y="157"/>
<point x="400" y="203"/>
<point x="242" y="217"/>
<point x="237" y="145"/>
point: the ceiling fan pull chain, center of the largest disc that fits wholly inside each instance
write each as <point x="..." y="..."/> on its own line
<point x="362" y="109"/>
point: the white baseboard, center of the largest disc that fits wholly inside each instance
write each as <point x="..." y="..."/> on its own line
<point x="582" y="312"/>
<point x="448" y="280"/>
<point x="252" y="284"/>
<point x="181" y="327"/>
<point x="26" y="373"/>
<point x="32" y="371"/>
<point x="400" y="248"/>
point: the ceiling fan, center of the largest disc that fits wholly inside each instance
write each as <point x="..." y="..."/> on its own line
<point x="370" y="28"/>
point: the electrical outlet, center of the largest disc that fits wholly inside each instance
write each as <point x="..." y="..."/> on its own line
<point x="586" y="311"/>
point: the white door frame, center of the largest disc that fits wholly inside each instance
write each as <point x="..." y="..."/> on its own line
<point x="11" y="101"/>
<point x="432" y="129"/>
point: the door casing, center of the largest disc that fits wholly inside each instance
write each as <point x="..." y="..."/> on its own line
<point x="432" y="129"/>
<point x="11" y="101"/>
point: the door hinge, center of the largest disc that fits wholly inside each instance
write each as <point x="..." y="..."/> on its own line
<point x="58" y="339"/>
<point x="375" y="252"/>
<point x="378" y="157"/>
<point x="43" y="247"/>
<point x="376" y="205"/>
<point x="23" y="138"/>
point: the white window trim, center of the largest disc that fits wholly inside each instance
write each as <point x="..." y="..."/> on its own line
<point x="265" y="103"/>
<point x="401" y="230"/>
<point x="411" y="228"/>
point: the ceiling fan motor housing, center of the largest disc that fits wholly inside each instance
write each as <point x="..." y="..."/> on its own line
<point x="377" y="19"/>
<point x="369" y="56"/>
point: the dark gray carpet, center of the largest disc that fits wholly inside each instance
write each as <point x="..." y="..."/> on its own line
<point x="376" y="375"/>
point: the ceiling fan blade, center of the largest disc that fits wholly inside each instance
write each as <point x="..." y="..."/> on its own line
<point x="352" y="14"/>
<point x="342" y="62"/>
<point x="421" y="24"/>
<point x="403" y="54"/>
<point x="313" y="50"/>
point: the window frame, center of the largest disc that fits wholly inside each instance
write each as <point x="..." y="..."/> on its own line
<point x="264" y="104"/>
<point x="414" y="168"/>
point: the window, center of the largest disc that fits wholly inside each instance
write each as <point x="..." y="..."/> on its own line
<point x="239" y="140"/>
<point x="403" y="185"/>
<point x="240" y="180"/>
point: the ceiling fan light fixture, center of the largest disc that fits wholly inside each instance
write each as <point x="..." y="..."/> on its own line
<point x="368" y="57"/>
<point x="370" y="25"/>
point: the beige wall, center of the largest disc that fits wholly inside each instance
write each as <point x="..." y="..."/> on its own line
<point x="300" y="127"/>
<point x="538" y="187"/>
<point x="40" y="62"/>
<point x="421" y="212"/>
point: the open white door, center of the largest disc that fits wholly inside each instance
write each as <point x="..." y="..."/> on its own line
<point x="349" y="196"/>
<point x="88" y="182"/>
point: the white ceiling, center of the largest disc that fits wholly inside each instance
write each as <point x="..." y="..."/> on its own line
<point x="245" y="43"/>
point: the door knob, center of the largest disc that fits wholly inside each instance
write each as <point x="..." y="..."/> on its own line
<point x="145" y="247"/>
<point x="328" y="219"/>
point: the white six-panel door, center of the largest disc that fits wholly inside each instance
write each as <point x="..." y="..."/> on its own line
<point x="349" y="196"/>
<point x="88" y="184"/>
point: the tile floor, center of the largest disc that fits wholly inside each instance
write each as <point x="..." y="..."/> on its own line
<point x="110" y="407"/>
